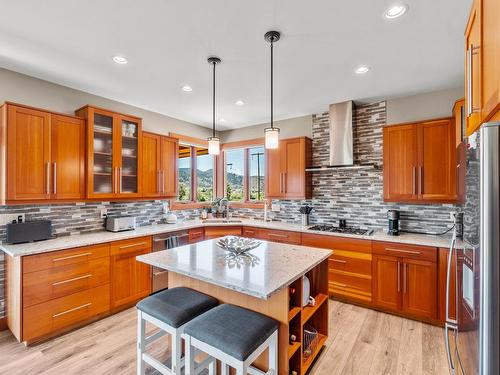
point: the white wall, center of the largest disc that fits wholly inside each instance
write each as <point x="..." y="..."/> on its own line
<point x="289" y="128"/>
<point x="422" y="106"/>
<point x="19" y="88"/>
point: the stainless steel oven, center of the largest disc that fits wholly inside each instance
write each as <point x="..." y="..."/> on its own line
<point x="164" y="242"/>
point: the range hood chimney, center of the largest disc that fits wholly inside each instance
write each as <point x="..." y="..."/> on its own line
<point x="341" y="138"/>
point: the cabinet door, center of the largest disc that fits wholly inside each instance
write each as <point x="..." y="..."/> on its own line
<point x="437" y="161"/>
<point x="130" y="279"/>
<point x="151" y="165"/>
<point x="28" y="148"/>
<point x="128" y="149"/>
<point x="68" y="157"/>
<point x="169" y="156"/>
<point x="400" y="163"/>
<point x="490" y="50"/>
<point x="473" y="73"/>
<point x="387" y="282"/>
<point x="293" y="168"/>
<point x="274" y="172"/>
<point x="101" y="163"/>
<point x="419" y="288"/>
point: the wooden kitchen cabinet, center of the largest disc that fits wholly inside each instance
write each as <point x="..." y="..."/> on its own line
<point x="114" y="153"/>
<point x="405" y="279"/>
<point x="482" y="63"/>
<point x="130" y="279"/>
<point x="285" y="169"/>
<point x="45" y="155"/>
<point x="196" y="235"/>
<point x="159" y="166"/>
<point x="461" y="148"/>
<point x="420" y="162"/>
<point x="216" y="232"/>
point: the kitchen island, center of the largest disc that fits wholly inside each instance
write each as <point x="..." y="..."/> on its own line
<point x="269" y="280"/>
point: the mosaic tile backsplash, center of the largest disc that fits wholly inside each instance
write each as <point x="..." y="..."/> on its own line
<point x="351" y="194"/>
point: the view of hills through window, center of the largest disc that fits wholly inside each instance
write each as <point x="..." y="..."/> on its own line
<point x="204" y="176"/>
<point x="257" y="168"/>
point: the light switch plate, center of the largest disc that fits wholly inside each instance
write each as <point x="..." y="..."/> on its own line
<point x="104" y="213"/>
<point x="275" y="207"/>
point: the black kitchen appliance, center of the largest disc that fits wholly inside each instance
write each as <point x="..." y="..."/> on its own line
<point x="29" y="231"/>
<point x="393" y="217"/>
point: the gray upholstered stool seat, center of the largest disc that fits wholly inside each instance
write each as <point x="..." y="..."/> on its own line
<point x="177" y="306"/>
<point x="169" y="311"/>
<point x="236" y="331"/>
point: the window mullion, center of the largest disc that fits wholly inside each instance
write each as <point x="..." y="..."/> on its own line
<point x="194" y="184"/>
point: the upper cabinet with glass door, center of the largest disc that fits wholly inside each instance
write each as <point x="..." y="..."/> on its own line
<point x="114" y="148"/>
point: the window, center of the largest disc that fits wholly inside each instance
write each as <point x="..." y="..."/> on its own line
<point x="244" y="174"/>
<point x="196" y="174"/>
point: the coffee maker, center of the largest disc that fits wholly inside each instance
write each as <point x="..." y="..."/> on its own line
<point x="393" y="217"/>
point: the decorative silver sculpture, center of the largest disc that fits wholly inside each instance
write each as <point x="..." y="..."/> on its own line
<point x="237" y="245"/>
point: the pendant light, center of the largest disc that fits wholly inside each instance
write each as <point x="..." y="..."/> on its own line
<point x="272" y="134"/>
<point x="213" y="141"/>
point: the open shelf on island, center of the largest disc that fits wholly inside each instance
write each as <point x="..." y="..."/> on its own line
<point x="309" y="311"/>
<point x="306" y="362"/>
<point x="293" y="313"/>
<point x="292" y="348"/>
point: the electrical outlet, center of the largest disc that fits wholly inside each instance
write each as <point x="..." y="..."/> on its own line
<point x="9" y="218"/>
<point x="165" y="207"/>
<point x="275" y="207"/>
<point x="104" y="213"/>
<point x="452" y="216"/>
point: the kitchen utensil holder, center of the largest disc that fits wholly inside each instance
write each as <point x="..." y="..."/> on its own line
<point x="305" y="219"/>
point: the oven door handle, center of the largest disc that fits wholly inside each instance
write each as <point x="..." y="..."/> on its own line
<point x="166" y="238"/>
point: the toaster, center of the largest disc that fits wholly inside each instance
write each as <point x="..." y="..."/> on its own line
<point x="120" y="223"/>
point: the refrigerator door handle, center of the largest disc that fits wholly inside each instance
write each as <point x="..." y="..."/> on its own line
<point x="447" y="328"/>
<point x="448" y="279"/>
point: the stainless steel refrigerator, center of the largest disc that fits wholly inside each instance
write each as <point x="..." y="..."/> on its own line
<point x="472" y="332"/>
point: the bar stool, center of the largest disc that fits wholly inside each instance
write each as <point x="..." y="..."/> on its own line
<point x="233" y="335"/>
<point x="170" y="310"/>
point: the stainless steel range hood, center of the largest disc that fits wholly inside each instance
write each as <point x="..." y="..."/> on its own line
<point x="341" y="139"/>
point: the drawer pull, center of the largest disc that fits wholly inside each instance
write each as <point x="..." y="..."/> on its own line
<point x="196" y="234"/>
<point x="71" y="257"/>
<point x="340" y="285"/>
<point x="339" y="261"/>
<point x="249" y="231"/>
<point x="73" y="279"/>
<point x="133" y="245"/>
<point x="71" y="310"/>
<point x="159" y="273"/>
<point x="278" y="235"/>
<point x="405" y="251"/>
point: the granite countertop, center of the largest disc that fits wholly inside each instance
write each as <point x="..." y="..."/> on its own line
<point x="67" y="242"/>
<point x="274" y="265"/>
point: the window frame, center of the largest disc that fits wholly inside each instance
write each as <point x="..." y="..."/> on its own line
<point x="246" y="202"/>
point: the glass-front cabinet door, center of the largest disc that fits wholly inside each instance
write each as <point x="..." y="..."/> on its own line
<point x="102" y="156"/>
<point x="128" y="170"/>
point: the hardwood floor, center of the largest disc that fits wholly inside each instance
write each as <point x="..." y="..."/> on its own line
<point x="361" y="341"/>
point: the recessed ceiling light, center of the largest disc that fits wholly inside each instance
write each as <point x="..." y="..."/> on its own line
<point x="362" y="69"/>
<point x="396" y="11"/>
<point x="120" y="60"/>
<point x="239" y="102"/>
<point x="187" y="88"/>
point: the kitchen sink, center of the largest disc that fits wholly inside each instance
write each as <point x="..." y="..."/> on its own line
<point x="222" y="221"/>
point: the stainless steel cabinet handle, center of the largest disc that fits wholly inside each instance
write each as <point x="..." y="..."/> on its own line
<point x="163" y="181"/>
<point x="159" y="273"/>
<point x="399" y="277"/>
<point x="421" y="179"/>
<point x="166" y="238"/>
<point x="338" y="261"/>
<point x="281" y="182"/>
<point x="403" y="251"/>
<point x="55" y="178"/>
<point x="447" y="328"/>
<point x="414" y="181"/>
<point x="71" y="310"/>
<point x="158" y="181"/>
<point x="405" y="276"/>
<point x="120" y="178"/>
<point x="340" y="285"/>
<point x="469" y="81"/>
<point x="132" y="245"/>
<point x="448" y="281"/>
<point x="71" y="257"/>
<point x="71" y="280"/>
<point x="48" y="177"/>
<point x="277" y="235"/>
<point x="284" y="182"/>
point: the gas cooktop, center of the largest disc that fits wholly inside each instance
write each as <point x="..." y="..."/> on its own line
<point x="346" y="230"/>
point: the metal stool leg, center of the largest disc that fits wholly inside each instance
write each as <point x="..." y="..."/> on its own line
<point x="273" y="354"/>
<point x="141" y="332"/>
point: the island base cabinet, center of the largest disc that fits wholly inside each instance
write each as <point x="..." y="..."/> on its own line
<point x="61" y="313"/>
<point x="130" y="279"/>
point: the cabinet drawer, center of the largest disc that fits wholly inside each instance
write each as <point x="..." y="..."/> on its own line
<point x="280" y="236"/>
<point x="51" y="316"/>
<point x="406" y="251"/>
<point x="45" y="285"/>
<point x="131" y="246"/>
<point x="196" y="235"/>
<point x="350" y="261"/>
<point x="214" y="232"/>
<point x="250" y="232"/>
<point x="62" y="258"/>
<point x="350" y="286"/>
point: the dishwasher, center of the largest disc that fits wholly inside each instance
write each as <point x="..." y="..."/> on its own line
<point x="159" y="276"/>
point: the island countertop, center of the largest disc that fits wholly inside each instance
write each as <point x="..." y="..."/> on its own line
<point x="276" y="265"/>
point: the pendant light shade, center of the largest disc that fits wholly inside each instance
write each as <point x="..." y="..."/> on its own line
<point x="213" y="141"/>
<point x="272" y="134"/>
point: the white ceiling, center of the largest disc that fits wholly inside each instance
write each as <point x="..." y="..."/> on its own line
<point x="167" y="42"/>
